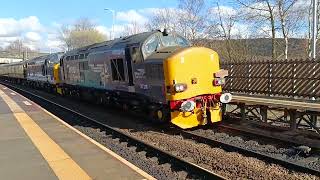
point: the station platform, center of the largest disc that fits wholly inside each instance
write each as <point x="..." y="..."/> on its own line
<point x="34" y="144"/>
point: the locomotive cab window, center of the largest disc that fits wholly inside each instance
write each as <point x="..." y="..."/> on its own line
<point x="168" y="41"/>
<point x="151" y="45"/>
<point x="182" y="41"/>
<point x="117" y="67"/>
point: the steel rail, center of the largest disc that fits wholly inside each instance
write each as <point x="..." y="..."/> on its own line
<point x="150" y="149"/>
<point x="267" y="136"/>
<point x="250" y="153"/>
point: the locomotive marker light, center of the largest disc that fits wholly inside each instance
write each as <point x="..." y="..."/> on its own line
<point x="225" y="98"/>
<point x="219" y="81"/>
<point x="219" y="77"/>
<point x="180" y="87"/>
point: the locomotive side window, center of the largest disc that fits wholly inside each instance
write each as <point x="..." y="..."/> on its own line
<point x="117" y="67"/>
<point x="136" y="55"/>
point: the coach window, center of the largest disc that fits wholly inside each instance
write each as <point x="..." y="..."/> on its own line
<point x="86" y="55"/>
<point x="76" y="57"/>
<point x="81" y="56"/>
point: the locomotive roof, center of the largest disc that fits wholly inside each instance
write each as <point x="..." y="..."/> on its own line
<point x="44" y="57"/>
<point x="119" y="42"/>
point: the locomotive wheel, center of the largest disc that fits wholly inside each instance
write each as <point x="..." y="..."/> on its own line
<point x="160" y="115"/>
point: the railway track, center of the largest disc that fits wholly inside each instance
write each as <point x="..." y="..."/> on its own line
<point x="175" y="161"/>
<point x="272" y="136"/>
<point x="194" y="169"/>
<point x="247" y="152"/>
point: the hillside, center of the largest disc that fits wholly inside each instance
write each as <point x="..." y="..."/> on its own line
<point x="257" y="48"/>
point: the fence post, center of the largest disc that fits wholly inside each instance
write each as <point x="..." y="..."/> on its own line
<point x="243" y="111"/>
<point x="294" y="78"/>
<point x="270" y="77"/>
<point x="293" y="119"/>
<point x="264" y="113"/>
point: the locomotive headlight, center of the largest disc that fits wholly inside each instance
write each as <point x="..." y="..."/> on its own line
<point x="180" y="87"/>
<point x="225" y="98"/>
<point x="188" y="106"/>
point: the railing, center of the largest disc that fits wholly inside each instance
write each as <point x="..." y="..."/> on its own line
<point x="294" y="79"/>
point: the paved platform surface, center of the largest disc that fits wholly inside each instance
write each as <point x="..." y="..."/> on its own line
<point x="35" y="144"/>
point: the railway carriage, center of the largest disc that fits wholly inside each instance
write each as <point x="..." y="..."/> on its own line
<point x="15" y="72"/>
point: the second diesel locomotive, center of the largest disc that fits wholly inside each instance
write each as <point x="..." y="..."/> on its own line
<point x="154" y="72"/>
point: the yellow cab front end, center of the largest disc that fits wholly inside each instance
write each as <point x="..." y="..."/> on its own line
<point x="57" y="79"/>
<point x="193" y="82"/>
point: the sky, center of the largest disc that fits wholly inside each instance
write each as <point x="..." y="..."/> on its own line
<point x="37" y="22"/>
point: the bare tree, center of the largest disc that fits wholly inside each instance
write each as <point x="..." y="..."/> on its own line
<point x="18" y="49"/>
<point x="308" y="47"/>
<point x="166" y="18"/>
<point x="263" y="10"/>
<point x="82" y="33"/>
<point x="290" y="19"/>
<point x="225" y="22"/>
<point x="64" y="32"/>
<point x="191" y="18"/>
<point x="84" y="24"/>
<point x="132" y="28"/>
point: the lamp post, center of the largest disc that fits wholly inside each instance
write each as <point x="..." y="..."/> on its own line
<point x="113" y="20"/>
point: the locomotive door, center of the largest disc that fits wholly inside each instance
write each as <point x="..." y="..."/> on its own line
<point x="129" y="67"/>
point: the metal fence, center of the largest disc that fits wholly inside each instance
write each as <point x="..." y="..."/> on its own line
<point x="282" y="78"/>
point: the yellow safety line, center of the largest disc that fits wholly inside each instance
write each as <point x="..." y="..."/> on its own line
<point x="60" y="162"/>
<point x="121" y="159"/>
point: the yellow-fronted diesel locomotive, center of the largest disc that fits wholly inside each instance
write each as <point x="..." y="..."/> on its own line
<point x="157" y="73"/>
